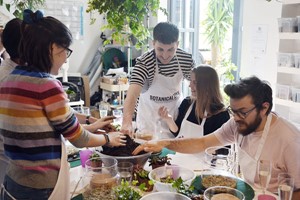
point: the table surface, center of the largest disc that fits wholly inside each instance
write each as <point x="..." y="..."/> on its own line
<point x="184" y="160"/>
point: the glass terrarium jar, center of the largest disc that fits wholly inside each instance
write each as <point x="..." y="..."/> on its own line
<point x="100" y="177"/>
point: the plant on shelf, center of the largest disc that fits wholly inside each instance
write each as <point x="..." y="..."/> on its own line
<point x="158" y="161"/>
<point x="125" y="18"/>
<point x="20" y="5"/>
<point x="141" y="179"/>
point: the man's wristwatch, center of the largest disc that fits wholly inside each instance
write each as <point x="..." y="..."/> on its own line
<point x="106" y="138"/>
<point x="87" y="120"/>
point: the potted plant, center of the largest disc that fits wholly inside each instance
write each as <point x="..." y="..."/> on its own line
<point x="125" y="18"/>
<point x="21" y="5"/>
<point x="141" y="179"/>
<point x="159" y="161"/>
<point x="95" y="160"/>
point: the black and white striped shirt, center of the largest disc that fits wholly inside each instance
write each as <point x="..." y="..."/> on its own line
<point x="144" y="69"/>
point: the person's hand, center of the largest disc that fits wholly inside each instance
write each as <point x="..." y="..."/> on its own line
<point x="99" y="124"/>
<point x="163" y="113"/>
<point x="107" y="118"/>
<point x="127" y="129"/>
<point x="151" y="146"/>
<point x="117" y="139"/>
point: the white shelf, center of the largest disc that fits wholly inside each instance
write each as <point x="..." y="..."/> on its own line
<point x="114" y="88"/>
<point x="287" y="103"/>
<point x="288" y="70"/>
<point x="76" y="103"/>
<point x="286" y="2"/>
<point x="289" y="36"/>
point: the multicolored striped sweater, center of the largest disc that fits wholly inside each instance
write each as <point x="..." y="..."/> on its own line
<point x="34" y="113"/>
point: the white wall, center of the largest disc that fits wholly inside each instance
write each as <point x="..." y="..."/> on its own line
<point x="85" y="49"/>
<point x="260" y="12"/>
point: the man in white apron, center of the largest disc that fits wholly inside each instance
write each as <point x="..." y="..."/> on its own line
<point x="156" y="80"/>
<point x="258" y="133"/>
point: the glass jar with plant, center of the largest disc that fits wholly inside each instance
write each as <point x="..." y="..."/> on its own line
<point x="158" y="161"/>
<point x="95" y="160"/>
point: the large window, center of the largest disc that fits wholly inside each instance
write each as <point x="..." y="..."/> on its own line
<point x="184" y="14"/>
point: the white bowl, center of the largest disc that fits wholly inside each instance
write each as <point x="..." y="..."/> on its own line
<point x="175" y="172"/>
<point x="164" y="196"/>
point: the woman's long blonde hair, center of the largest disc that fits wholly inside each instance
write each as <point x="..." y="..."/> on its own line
<point x="208" y="95"/>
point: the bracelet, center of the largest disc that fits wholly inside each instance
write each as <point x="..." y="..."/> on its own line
<point x="106" y="138"/>
<point x="87" y="120"/>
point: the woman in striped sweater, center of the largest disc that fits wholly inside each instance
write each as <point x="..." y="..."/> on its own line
<point x="34" y="114"/>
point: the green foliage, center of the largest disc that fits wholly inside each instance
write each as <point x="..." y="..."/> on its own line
<point x="183" y="188"/>
<point x="21" y="5"/>
<point x="125" y="18"/>
<point x="94" y="155"/>
<point x="156" y="159"/>
<point x="125" y="192"/>
<point x="219" y="20"/>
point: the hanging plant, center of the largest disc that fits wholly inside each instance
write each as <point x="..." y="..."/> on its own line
<point x="20" y="5"/>
<point x="126" y="18"/>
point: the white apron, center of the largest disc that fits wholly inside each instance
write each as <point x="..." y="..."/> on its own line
<point x="62" y="187"/>
<point x="164" y="91"/>
<point x="249" y="164"/>
<point x="189" y="129"/>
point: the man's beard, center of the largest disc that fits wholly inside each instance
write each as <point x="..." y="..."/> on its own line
<point x="252" y="126"/>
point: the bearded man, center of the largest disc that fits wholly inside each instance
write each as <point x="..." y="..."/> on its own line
<point x="258" y="133"/>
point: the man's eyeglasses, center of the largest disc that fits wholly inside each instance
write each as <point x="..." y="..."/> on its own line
<point x="239" y="113"/>
<point x="69" y="52"/>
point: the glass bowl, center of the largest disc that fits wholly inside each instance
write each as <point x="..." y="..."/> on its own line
<point x="223" y="193"/>
<point x="164" y="196"/>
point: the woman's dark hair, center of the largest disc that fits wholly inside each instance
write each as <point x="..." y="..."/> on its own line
<point x="259" y="90"/>
<point x="38" y="35"/>
<point x="209" y="96"/>
<point x="166" y="33"/>
<point x="11" y="37"/>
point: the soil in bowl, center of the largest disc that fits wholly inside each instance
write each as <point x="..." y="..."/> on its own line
<point x="122" y="150"/>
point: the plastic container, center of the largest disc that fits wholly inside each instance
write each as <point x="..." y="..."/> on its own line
<point x="173" y="172"/>
<point x="298" y="23"/>
<point x="296" y="60"/>
<point x="283" y="91"/>
<point x="285" y="59"/>
<point x="295" y="94"/>
<point x="287" y="24"/>
<point x="220" y="158"/>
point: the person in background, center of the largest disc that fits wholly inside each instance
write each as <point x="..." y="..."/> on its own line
<point x="156" y="80"/>
<point x="10" y="38"/>
<point x="201" y="113"/>
<point x="258" y="133"/>
<point x="33" y="121"/>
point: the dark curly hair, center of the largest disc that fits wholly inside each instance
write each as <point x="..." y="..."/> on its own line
<point x="259" y="90"/>
<point x="166" y="33"/>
